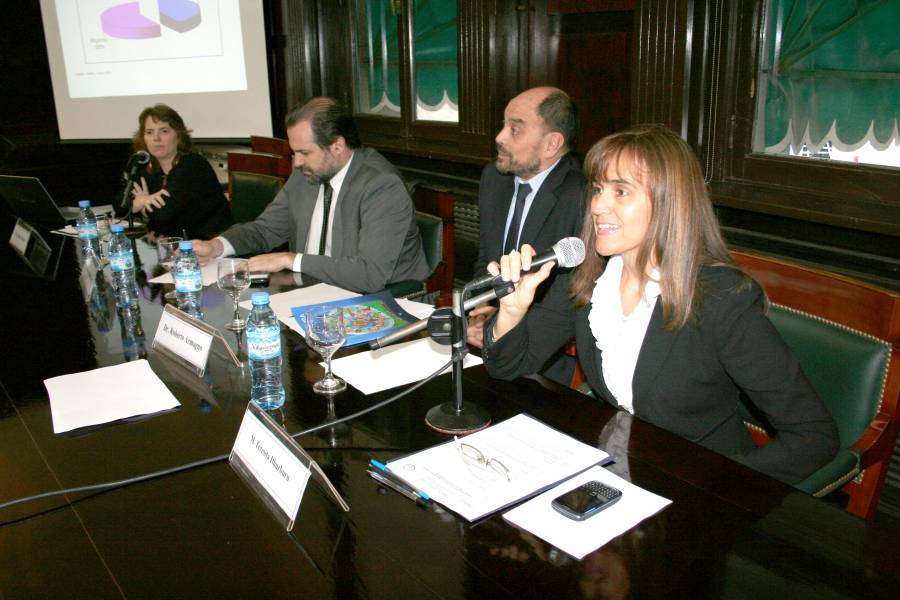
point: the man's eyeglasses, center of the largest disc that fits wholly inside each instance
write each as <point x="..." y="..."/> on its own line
<point x="473" y="457"/>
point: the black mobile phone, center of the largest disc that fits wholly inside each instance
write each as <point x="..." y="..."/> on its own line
<point x="259" y="278"/>
<point x="586" y="500"/>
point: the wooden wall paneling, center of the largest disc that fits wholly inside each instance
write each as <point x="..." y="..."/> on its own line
<point x="594" y="68"/>
<point x="658" y="94"/>
<point x="302" y="60"/>
<point x="477" y="23"/>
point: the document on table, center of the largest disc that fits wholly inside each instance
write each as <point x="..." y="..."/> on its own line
<point x="282" y="303"/>
<point x="209" y="273"/>
<point x="106" y="394"/>
<point x="580" y="538"/>
<point x="536" y="456"/>
<point x="398" y="364"/>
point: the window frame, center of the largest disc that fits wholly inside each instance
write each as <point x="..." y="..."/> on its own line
<point x="856" y="196"/>
<point x="406" y="132"/>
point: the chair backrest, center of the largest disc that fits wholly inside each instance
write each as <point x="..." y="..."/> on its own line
<point x="251" y="193"/>
<point x="846" y="367"/>
<point x="431" y="228"/>
<point x="436" y="206"/>
<point x="846" y="334"/>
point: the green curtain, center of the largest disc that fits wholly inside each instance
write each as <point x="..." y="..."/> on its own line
<point x="832" y="63"/>
<point x="434" y="23"/>
<point x="379" y="53"/>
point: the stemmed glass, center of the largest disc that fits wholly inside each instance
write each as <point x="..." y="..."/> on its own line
<point x="167" y="251"/>
<point x="325" y="333"/>
<point x="233" y="279"/>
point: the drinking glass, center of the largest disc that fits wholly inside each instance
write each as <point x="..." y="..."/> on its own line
<point x="167" y="251"/>
<point x="233" y="278"/>
<point x="325" y="334"/>
<point x="103" y="233"/>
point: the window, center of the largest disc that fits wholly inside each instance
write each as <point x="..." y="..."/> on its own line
<point x="405" y="59"/>
<point x="829" y="81"/>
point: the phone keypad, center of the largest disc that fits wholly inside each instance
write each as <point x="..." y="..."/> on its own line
<point x="595" y="488"/>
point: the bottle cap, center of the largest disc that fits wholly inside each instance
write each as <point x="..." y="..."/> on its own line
<point x="84" y="204"/>
<point x="259" y="298"/>
<point x="185" y="245"/>
<point x="117" y="228"/>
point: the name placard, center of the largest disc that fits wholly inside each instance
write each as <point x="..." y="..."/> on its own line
<point x="276" y="467"/>
<point x="272" y="464"/>
<point x="20" y="236"/>
<point x="185" y="337"/>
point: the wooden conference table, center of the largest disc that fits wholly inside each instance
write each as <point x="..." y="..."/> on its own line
<point x="730" y="532"/>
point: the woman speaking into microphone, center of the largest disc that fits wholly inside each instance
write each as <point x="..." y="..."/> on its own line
<point x="177" y="191"/>
<point x="667" y="326"/>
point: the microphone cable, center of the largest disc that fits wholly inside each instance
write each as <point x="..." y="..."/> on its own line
<point x="111" y="485"/>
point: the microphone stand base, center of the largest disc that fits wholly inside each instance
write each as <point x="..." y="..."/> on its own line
<point x="444" y="418"/>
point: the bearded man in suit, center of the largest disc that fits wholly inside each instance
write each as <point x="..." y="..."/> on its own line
<point x="533" y="193"/>
<point x="345" y="213"/>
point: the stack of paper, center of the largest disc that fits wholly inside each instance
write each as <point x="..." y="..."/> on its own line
<point x="106" y="394"/>
<point x="535" y="455"/>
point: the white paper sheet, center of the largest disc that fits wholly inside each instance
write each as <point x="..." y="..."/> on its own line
<point x="398" y="364"/>
<point x="209" y="272"/>
<point x="580" y="538"/>
<point x="536" y="456"/>
<point x="106" y="394"/>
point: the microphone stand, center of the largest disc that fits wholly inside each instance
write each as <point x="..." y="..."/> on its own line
<point x="460" y="417"/>
<point x="132" y="231"/>
<point x="448" y="327"/>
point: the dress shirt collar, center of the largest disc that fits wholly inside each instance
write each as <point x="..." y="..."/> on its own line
<point x="538" y="180"/>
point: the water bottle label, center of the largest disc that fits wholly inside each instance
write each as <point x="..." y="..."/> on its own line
<point x="121" y="261"/>
<point x="264" y="343"/>
<point x="87" y="231"/>
<point x="188" y="281"/>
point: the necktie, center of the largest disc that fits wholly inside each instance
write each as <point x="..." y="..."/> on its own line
<point x="326" y="208"/>
<point x="512" y="234"/>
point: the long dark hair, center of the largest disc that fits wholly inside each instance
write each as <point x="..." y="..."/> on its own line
<point x="683" y="234"/>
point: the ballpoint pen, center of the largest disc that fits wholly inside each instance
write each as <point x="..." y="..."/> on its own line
<point x="387" y="482"/>
<point x="382" y="469"/>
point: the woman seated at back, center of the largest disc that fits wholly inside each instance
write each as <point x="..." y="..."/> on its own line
<point x="178" y="191"/>
<point x="667" y="325"/>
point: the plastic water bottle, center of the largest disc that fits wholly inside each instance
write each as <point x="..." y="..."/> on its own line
<point x="264" y="352"/>
<point x="121" y="263"/>
<point x="87" y="232"/>
<point x="188" y="280"/>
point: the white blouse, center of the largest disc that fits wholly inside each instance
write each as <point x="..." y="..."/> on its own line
<point x="619" y="337"/>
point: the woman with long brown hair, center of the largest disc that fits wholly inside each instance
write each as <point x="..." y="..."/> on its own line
<point x="178" y="191"/>
<point x="667" y="326"/>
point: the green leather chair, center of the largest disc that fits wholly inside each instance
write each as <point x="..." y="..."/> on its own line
<point x="431" y="228"/>
<point x="846" y="335"/>
<point x="848" y="369"/>
<point x="251" y="194"/>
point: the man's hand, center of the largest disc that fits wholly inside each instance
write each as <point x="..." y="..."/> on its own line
<point x="274" y="261"/>
<point x="476" y="320"/>
<point x="207" y="250"/>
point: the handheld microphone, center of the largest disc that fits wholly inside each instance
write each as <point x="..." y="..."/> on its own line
<point x="567" y="252"/>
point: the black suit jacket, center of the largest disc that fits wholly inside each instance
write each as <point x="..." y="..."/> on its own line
<point x="691" y="380"/>
<point x="556" y="212"/>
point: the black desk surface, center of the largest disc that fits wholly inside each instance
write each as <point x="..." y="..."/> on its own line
<point x="730" y="532"/>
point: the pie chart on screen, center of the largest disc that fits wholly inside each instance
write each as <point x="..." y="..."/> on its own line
<point x="142" y="19"/>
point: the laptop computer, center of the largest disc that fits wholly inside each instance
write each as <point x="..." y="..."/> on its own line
<point x="27" y="198"/>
